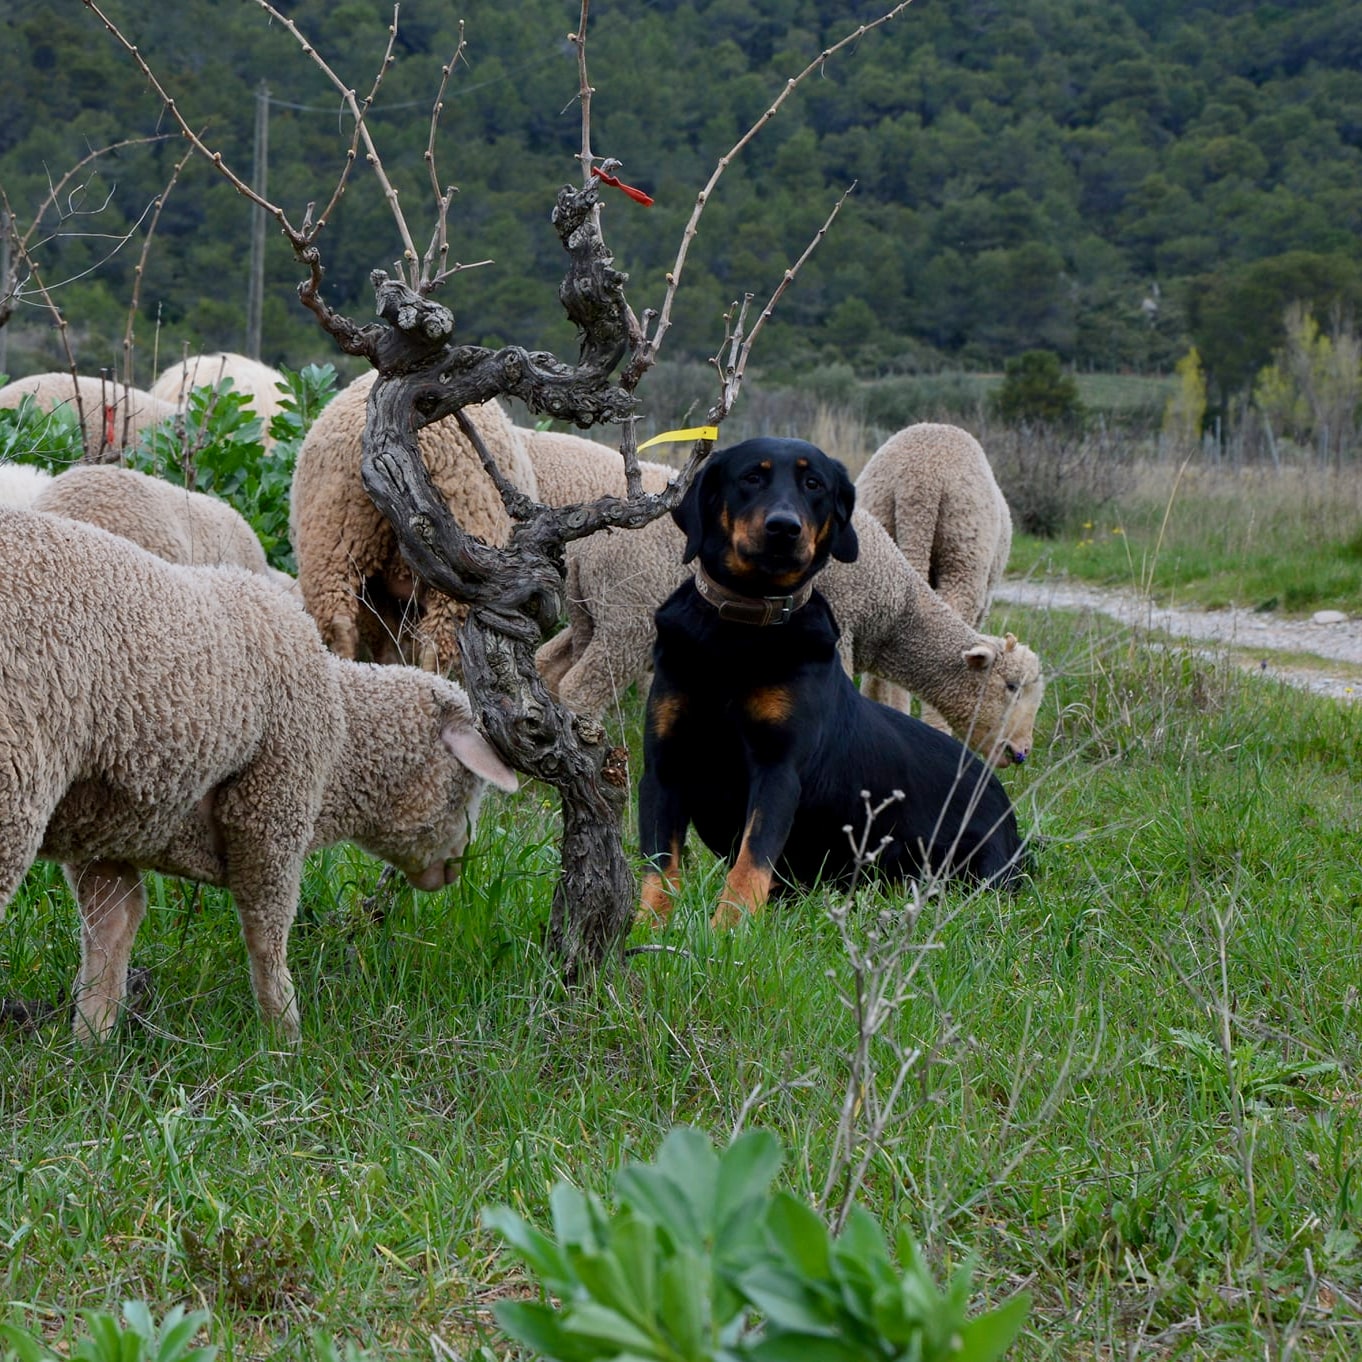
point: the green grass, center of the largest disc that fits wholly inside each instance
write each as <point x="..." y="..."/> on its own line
<point x="961" y="396"/>
<point x="1214" y="538"/>
<point x="1076" y="1123"/>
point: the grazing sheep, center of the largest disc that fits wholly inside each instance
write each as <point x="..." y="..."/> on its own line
<point x="113" y="416"/>
<point x="255" y="380"/>
<point x="353" y="579"/>
<point x="188" y="720"/>
<point x="20" y="483"/>
<point x="892" y="624"/>
<point x="172" y="522"/>
<point x="932" y="488"/>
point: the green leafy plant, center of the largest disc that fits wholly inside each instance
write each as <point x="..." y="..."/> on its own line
<point x="138" y="1339"/>
<point x="217" y="447"/>
<point x="48" y="439"/>
<point x="700" y="1261"/>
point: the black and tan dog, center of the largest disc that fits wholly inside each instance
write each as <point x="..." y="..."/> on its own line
<point x="755" y="733"/>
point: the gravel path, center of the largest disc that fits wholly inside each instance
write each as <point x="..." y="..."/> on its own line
<point x="1238" y="632"/>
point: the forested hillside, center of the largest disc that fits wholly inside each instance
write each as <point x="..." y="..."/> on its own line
<point x="1110" y="181"/>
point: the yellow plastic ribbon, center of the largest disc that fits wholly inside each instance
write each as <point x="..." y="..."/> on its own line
<point x="673" y="436"/>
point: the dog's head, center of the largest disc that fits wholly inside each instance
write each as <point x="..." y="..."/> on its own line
<point x="764" y="515"/>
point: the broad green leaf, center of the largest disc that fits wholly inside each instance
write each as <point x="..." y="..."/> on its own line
<point x="805" y="1348"/>
<point x="789" y="1301"/>
<point x="589" y="1320"/>
<point x="990" y="1335"/>
<point x="538" y="1251"/>
<point x="746" y="1169"/>
<point x="177" y="1331"/>
<point x="572" y="1222"/>
<point x="668" y="1206"/>
<point x="800" y="1234"/>
<point x="863" y="1241"/>
<point x="633" y="1245"/>
<point x="540" y="1327"/>
<point x="604" y="1278"/>
<point x="683" y="1309"/>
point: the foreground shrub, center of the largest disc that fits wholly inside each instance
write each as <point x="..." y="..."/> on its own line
<point x="701" y="1261"/>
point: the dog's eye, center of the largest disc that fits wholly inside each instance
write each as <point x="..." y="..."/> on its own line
<point x="752" y="478"/>
<point x="813" y="484"/>
<point x="1012" y="685"/>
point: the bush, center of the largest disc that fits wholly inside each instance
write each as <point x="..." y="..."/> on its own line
<point x="701" y="1262"/>
<point x="216" y="447"/>
<point x="51" y="440"/>
<point x="1054" y="479"/>
<point x="1037" y="392"/>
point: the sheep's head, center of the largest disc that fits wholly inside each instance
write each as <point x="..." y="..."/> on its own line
<point x="1010" y="688"/>
<point x="430" y="822"/>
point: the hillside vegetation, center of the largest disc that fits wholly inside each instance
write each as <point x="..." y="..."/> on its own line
<point x="1111" y="182"/>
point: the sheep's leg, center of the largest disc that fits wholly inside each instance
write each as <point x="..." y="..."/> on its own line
<point x="437" y="635"/>
<point x="554" y="660"/>
<point x="266" y="892"/>
<point x="596" y="680"/>
<point x="886" y="692"/>
<point x="935" y="718"/>
<point x="112" y="903"/>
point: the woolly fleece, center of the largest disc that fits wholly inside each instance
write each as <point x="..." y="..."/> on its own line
<point x="353" y="579"/>
<point x="20" y="483"/>
<point x="172" y="522"/>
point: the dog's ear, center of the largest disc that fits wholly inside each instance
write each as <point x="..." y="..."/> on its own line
<point x="845" y="545"/>
<point x="689" y="512"/>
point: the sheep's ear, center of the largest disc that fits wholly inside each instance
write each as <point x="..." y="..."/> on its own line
<point x="845" y="545"/>
<point x="1009" y="642"/>
<point x="689" y="513"/>
<point x="980" y="657"/>
<point x="476" y="753"/>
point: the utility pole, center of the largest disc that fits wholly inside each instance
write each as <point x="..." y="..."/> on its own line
<point x="255" y="298"/>
<point x="5" y="221"/>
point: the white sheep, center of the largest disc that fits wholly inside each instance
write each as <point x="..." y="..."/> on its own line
<point x="189" y="720"/>
<point x="352" y="576"/>
<point x="265" y="386"/>
<point x="20" y="483"/>
<point x="932" y="488"/>
<point x="114" y="416"/>
<point x="172" y="522"/>
<point x="892" y="624"/>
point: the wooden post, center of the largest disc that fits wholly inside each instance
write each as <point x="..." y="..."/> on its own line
<point x="255" y="298"/>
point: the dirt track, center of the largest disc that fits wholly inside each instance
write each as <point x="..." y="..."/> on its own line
<point x="1246" y="635"/>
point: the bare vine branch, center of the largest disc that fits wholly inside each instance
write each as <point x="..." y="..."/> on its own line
<point x="139" y="272"/>
<point x="662" y="319"/>
<point x="439" y="239"/>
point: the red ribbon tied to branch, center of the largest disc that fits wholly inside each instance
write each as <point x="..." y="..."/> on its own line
<point x="637" y="195"/>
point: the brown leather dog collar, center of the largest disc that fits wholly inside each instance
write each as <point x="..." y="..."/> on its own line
<point x="758" y="610"/>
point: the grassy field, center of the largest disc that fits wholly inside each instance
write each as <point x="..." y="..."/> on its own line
<point x="1289" y="541"/>
<point x="1136" y="1092"/>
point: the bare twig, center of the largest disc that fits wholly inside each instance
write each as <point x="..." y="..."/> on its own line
<point x="439" y="239"/>
<point x="648" y="354"/>
<point x="138" y="274"/>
